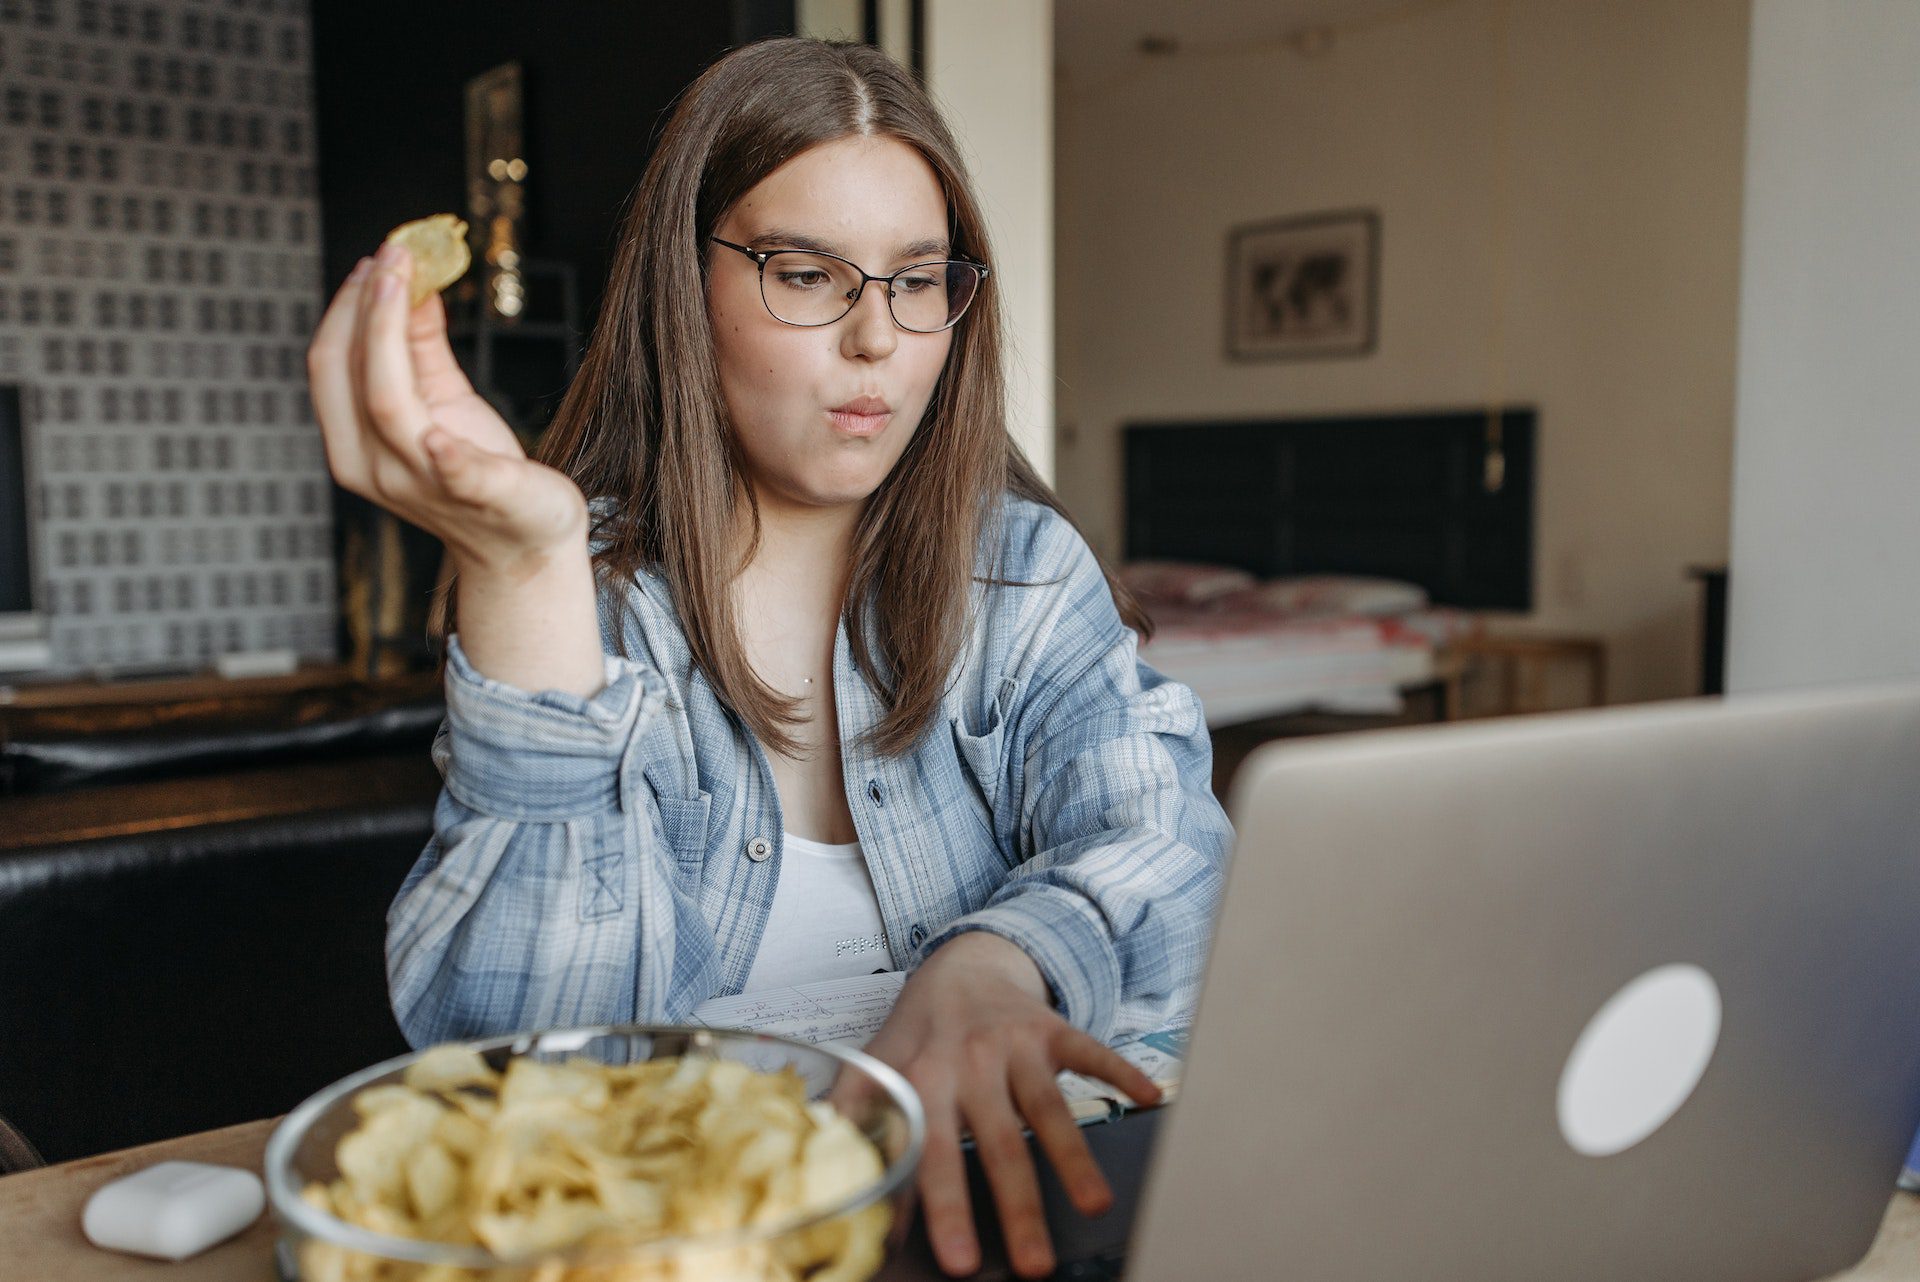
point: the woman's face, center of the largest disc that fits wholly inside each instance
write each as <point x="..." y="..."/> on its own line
<point x="878" y="203"/>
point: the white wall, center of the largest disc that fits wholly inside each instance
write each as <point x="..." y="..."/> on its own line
<point x="1621" y="268"/>
<point x="829" y="19"/>
<point x="990" y="69"/>
<point x="846" y="20"/>
<point x="1826" y="516"/>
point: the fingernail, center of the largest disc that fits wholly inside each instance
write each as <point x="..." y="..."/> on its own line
<point x="385" y="286"/>
<point x="360" y="270"/>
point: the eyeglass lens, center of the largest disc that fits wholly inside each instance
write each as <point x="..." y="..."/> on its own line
<point x="813" y="289"/>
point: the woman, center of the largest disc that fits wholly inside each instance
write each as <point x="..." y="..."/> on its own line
<point x="821" y="680"/>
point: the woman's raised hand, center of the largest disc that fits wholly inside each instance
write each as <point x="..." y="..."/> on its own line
<point x="404" y="428"/>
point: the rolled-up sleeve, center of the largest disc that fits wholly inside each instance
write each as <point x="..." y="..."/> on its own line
<point x="1112" y="764"/>
<point x="546" y="755"/>
<point x="546" y="895"/>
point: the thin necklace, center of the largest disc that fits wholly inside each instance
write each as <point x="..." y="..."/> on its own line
<point x="832" y="742"/>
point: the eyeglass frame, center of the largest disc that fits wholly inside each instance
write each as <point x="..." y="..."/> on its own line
<point x="760" y="257"/>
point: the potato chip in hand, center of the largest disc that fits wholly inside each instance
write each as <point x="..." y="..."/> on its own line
<point x="440" y="255"/>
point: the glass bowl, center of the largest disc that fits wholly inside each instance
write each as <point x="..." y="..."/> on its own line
<point x="317" y="1246"/>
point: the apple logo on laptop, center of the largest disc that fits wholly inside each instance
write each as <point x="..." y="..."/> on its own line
<point x="1639" y="1059"/>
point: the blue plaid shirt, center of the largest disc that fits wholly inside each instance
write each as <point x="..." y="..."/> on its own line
<point x="613" y="858"/>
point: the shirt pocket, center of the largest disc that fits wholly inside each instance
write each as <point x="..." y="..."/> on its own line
<point x="609" y="874"/>
<point x="983" y="752"/>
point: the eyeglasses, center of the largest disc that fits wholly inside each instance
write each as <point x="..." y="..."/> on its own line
<point x="801" y="287"/>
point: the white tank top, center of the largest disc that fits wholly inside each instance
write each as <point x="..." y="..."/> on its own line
<point x="825" y="922"/>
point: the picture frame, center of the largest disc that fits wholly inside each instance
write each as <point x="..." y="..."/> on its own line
<point x="1304" y="287"/>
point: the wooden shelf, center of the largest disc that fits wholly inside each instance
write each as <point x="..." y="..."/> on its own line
<point x="165" y="805"/>
<point x="322" y="692"/>
<point x="71" y="693"/>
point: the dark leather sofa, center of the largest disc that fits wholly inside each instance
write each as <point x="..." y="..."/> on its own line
<point x="192" y="917"/>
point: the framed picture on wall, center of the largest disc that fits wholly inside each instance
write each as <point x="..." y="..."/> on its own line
<point x="1304" y="287"/>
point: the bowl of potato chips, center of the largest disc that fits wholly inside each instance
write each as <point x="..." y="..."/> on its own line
<point x="608" y="1154"/>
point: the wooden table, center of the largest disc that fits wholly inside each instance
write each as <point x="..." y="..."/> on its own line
<point x="1521" y="660"/>
<point x="40" y="1220"/>
<point x="40" y="1215"/>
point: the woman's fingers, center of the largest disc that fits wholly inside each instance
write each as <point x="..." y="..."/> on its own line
<point x="392" y="401"/>
<point x="357" y="359"/>
<point x="1010" y="1174"/>
<point x="853" y="1092"/>
<point x="329" y="376"/>
<point x="1093" y="1058"/>
<point x="1036" y="1089"/>
<point x="436" y="373"/>
<point x="944" y="1200"/>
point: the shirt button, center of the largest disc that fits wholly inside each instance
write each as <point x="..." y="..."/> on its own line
<point x="758" y="849"/>
<point x="917" y="936"/>
<point x="874" y="793"/>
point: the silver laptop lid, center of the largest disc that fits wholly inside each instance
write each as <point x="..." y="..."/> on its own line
<point x="1420" y="925"/>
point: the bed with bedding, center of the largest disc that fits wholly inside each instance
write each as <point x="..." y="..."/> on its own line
<point x="1326" y="565"/>
<point x="1301" y="643"/>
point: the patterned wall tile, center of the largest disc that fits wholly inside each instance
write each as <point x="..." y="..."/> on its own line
<point x="159" y="281"/>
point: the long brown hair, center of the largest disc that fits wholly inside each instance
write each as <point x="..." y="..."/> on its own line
<point x="644" y="422"/>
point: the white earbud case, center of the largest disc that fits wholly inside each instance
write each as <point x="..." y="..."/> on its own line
<point x="173" y="1210"/>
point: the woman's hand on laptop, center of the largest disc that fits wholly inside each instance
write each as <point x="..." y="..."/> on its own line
<point x="975" y="1031"/>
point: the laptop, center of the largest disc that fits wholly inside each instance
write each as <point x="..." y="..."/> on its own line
<point x="1631" y="992"/>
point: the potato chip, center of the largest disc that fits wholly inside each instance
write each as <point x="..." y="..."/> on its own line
<point x="460" y="1134"/>
<point x="372" y="1157"/>
<point x="555" y="1154"/>
<point x="446" y="1068"/>
<point x="575" y="1084"/>
<point x="440" y="254"/>
<point x="862" y="1247"/>
<point x="434" y="1180"/>
<point x="839" y="1161"/>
